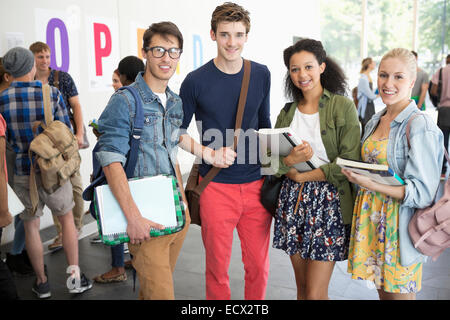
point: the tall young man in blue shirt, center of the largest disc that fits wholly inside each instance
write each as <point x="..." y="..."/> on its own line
<point x="232" y="200"/>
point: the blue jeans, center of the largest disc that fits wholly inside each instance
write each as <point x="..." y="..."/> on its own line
<point x="117" y="259"/>
<point x="19" y="236"/>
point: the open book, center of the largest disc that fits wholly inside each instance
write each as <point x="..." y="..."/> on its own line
<point x="281" y="141"/>
<point x="377" y="172"/>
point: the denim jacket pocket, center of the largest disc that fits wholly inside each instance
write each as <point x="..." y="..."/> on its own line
<point x="150" y="133"/>
<point x="175" y="122"/>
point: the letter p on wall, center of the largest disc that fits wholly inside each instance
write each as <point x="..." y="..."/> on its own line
<point x="101" y="51"/>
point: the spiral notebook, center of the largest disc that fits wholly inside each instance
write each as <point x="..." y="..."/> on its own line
<point x="157" y="198"/>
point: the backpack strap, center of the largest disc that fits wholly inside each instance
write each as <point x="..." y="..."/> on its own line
<point x="34" y="196"/>
<point x="408" y="129"/>
<point x="138" y="125"/>
<point x="136" y="133"/>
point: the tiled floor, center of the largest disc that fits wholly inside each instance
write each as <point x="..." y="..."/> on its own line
<point x="189" y="274"/>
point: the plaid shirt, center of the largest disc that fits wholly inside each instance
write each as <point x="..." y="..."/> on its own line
<point x="21" y="105"/>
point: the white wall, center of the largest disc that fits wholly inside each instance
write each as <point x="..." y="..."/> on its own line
<point x="273" y="25"/>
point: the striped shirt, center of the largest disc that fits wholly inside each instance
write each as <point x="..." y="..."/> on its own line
<point x="21" y="105"/>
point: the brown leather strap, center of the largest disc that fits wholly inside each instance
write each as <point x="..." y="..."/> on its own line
<point x="239" y="116"/>
<point x="299" y="198"/>
<point x="34" y="197"/>
<point x="56" y="79"/>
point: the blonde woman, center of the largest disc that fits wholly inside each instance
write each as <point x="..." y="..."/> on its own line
<point x="380" y="247"/>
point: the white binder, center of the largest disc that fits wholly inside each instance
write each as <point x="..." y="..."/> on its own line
<point x="15" y="206"/>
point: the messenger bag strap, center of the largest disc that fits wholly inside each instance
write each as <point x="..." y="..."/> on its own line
<point x="239" y="116"/>
<point x="47" y="106"/>
<point x="56" y="80"/>
<point x="34" y="196"/>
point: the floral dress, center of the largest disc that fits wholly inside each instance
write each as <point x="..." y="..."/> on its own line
<point x="374" y="252"/>
<point x="308" y="221"/>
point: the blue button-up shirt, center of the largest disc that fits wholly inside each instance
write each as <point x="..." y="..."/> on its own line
<point x="420" y="165"/>
<point x="158" y="147"/>
<point x="21" y="105"/>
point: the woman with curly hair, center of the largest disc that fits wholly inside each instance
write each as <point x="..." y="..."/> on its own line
<point x="312" y="221"/>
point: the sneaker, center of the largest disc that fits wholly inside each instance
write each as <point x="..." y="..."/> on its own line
<point x="85" y="284"/>
<point x="96" y="239"/>
<point x="42" y="290"/>
<point x="17" y="264"/>
<point x="57" y="243"/>
<point x="125" y="248"/>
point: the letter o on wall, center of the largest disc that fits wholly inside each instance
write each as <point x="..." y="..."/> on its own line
<point x="52" y="25"/>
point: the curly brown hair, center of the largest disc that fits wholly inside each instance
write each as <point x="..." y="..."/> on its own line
<point x="333" y="78"/>
<point x="230" y="12"/>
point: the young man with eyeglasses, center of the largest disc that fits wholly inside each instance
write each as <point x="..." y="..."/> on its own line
<point x="153" y="258"/>
<point x="232" y="199"/>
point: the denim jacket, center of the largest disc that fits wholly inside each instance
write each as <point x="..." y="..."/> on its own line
<point x="419" y="166"/>
<point x="160" y="136"/>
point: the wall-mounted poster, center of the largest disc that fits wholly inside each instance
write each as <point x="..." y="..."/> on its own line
<point x="102" y="50"/>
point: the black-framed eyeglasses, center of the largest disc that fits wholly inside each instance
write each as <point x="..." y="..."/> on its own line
<point x="159" y="52"/>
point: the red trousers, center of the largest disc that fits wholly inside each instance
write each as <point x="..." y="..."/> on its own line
<point x="225" y="207"/>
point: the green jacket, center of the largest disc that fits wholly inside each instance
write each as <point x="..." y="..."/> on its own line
<point x="340" y="131"/>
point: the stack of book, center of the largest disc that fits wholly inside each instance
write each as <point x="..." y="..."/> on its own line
<point x="377" y="172"/>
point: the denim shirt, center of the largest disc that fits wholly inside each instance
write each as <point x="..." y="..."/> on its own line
<point x="419" y="166"/>
<point x="160" y="136"/>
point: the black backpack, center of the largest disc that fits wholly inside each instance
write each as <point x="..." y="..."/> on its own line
<point x="436" y="98"/>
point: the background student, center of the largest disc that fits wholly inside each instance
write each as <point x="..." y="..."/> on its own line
<point x="366" y="95"/>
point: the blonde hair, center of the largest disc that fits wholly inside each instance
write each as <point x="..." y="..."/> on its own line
<point x="365" y="64"/>
<point x="406" y="56"/>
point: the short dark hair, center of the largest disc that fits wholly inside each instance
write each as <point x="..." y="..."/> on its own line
<point x="333" y="78"/>
<point x="230" y="12"/>
<point x="164" y="29"/>
<point x="414" y="53"/>
<point x="2" y="71"/>
<point x="130" y="66"/>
